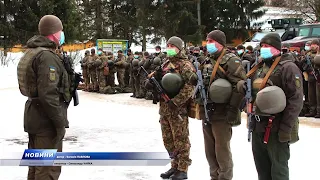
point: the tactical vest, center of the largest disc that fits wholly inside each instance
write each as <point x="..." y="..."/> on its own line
<point x="27" y="77"/>
<point x="207" y="71"/>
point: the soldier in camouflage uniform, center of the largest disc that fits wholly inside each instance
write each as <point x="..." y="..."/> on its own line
<point x="101" y="64"/>
<point x="223" y="113"/>
<point x="41" y="75"/>
<point x="147" y="65"/>
<point x="271" y="156"/>
<point x="134" y="78"/>
<point x="141" y="79"/>
<point x="112" y="71"/>
<point x="120" y="64"/>
<point x="93" y="71"/>
<point x="129" y="58"/>
<point x="175" y="131"/>
<point x="84" y="67"/>
<point x="313" y="84"/>
<point x="159" y="53"/>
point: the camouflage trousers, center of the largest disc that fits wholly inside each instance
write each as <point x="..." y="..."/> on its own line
<point x="44" y="141"/>
<point x="217" y="138"/>
<point x="94" y="81"/>
<point x="86" y="78"/>
<point x="110" y="80"/>
<point x="102" y="81"/>
<point x="142" y="90"/>
<point x="127" y="77"/>
<point x="175" y="135"/>
<point x="120" y="77"/>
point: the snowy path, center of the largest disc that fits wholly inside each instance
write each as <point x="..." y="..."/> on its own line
<point x="120" y="123"/>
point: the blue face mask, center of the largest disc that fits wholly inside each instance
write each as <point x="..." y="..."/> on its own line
<point x="62" y="38"/>
<point x="247" y="50"/>
<point x="240" y="51"/>
<point x="265" y="53"/>
<point x="136" y="56"/>
<point x="99" y="52"/>
<point x="211" y="48"/>
<point x="307" y="48"/>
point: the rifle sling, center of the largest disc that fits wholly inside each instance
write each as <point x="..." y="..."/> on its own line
<point x="265" y="79"/>
<point x="216" y="66"/>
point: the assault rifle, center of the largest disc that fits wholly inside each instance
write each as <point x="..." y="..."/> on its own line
<point x="158" y="88"/>
<point x="249" y="103"/>
<point x="201" y="89"/>
<point x="310" y="67"/>
<point x="76" y="78"/>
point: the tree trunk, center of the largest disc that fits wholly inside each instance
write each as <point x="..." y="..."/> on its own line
<point x="144" y="39"/>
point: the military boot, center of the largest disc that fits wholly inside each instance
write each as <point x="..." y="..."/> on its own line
<point x="179" y="175"/>
<point x="318" y="113"/>
<point x="311" y="113"/>
<point x="168" y="174"/>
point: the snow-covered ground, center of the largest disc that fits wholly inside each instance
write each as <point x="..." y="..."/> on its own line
<point x="118" y="123"/>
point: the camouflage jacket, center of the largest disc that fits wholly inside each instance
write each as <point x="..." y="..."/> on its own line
<point x="182" y="66"/>
<point x="92" y="62"/>
<point x="84" y="62"/>
<point x="120" y="63"/>
<point x="102" y="61"/>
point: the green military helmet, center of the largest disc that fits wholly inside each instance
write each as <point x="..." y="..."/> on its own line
<point x="172" y="83"/>
<point x="220" y="91"/>
<point x="140" y="63"/>
<point x="316" y="60"/>
<point x="157" y="61"/>
<point x="135" y="62"/>
<point x="110" y="63"/>
<point x="271" y="100"/>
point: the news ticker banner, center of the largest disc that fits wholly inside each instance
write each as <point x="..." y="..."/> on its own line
<point x="50" y="157"/>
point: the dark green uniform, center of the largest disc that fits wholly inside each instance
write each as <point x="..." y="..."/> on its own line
<point x="271" y="159"/>
<point x="43" y="78"/>
<point x="223" y="116"/>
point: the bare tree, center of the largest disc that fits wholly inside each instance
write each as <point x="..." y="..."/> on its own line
<point x="308" y="8"/>
<point x="5" y="60"/>
<point x="75" y="57"/>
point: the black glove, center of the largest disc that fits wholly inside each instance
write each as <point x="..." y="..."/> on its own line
<point x="148" y="85"/>
<point x="60" y="135"/>
<point x="171" y="104"/>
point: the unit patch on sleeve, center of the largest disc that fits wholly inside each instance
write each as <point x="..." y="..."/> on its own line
<point x="298" y="81"/>
<point x="52" y="73"/>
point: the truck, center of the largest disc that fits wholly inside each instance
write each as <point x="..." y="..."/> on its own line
<point x="286" y="28"/>
<point x="305" y="33"/>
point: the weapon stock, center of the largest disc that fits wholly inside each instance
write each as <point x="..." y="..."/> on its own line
<point x="201" y="89"/>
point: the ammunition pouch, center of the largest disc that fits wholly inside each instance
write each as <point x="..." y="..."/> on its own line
<point x="236" y="99"/>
